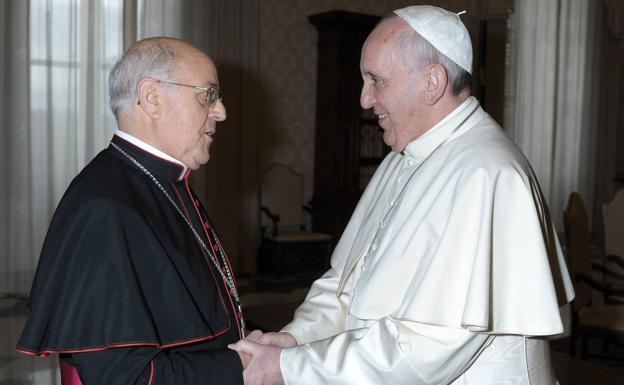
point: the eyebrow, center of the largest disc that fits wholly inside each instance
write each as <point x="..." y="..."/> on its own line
<point x="209" y="84"/>
<point x="371" y="74"/>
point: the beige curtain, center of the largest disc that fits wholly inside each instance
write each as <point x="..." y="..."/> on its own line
<point x="575" y="151"/>
<point x="159" y="18"/>
<point x="56" y="117"/>
<point x="551" y="98"/>
<point x="17" y="251"/>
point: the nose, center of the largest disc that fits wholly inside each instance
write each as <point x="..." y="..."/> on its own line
<point x="367" y="99"/>
<point x="218" y="113"/>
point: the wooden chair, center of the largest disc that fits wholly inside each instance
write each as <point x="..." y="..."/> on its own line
<point x="613" y="222"/>
<point x="283" y="222"/>
<point x="602" y="321"/>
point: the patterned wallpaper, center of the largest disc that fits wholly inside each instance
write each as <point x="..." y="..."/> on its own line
<point x="287" y="67"/>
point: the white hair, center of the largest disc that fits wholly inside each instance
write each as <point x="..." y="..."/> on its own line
<point x="155" y="60"/>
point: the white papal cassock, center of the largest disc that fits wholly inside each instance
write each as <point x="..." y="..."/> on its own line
<point x="449" y="271"/>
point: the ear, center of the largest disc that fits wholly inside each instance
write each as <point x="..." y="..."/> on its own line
<point x="150" y="95"/>
<point x="437" y="80"/>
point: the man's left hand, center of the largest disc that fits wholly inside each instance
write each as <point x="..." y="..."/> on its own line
<point x="264" y="367"/>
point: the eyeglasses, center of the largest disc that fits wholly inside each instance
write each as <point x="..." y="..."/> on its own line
<point x="210" y="96"/>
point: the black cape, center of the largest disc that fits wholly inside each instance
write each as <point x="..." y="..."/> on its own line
<point x="121" y="273"/>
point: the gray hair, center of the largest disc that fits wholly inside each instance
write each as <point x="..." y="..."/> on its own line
<point x="144" y="59"/>
<point x="417" y="52"/>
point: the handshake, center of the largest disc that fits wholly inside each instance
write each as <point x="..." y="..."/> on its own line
<point x="260" y="355"/>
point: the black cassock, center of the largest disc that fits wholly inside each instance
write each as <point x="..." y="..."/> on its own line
<point x="123" y="290"/>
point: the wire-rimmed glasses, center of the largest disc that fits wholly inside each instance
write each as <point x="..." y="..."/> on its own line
<point x="211" y="94"/>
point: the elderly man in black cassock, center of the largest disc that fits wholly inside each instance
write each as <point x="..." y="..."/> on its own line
<point x="133" y="285"/>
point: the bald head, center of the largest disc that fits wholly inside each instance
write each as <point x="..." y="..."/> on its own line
<point x="158" y="58"/>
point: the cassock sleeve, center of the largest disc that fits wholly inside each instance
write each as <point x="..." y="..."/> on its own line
<point x="389" y="352"/>
<point x="150" y="365"/>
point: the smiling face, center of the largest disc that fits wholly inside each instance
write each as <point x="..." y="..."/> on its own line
<point x="187" y="122"/>
<point x="393" y="90"/>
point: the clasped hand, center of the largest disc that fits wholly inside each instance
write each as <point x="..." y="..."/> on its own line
<point x="260" y="354"/>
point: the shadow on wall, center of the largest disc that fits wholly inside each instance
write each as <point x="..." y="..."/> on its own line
<point x="229" y="184"/>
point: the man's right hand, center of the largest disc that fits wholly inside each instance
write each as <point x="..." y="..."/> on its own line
<point x="281" y="339"/>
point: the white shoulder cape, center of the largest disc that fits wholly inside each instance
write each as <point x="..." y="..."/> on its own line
<point x="469" y="245"/>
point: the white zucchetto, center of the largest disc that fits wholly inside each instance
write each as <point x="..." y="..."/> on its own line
<point x="443" y="29"/>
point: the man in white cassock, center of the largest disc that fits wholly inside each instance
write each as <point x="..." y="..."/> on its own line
<point x="449" y="271"/>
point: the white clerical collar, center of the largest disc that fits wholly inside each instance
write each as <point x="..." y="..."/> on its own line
<point x="151" y="149"/>
<point x="424" y="144"/>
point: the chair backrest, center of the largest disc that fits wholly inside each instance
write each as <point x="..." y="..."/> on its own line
<point x="576" y="225"/>
<point x="281" y="191"/>
<point x="613" y="221"/>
